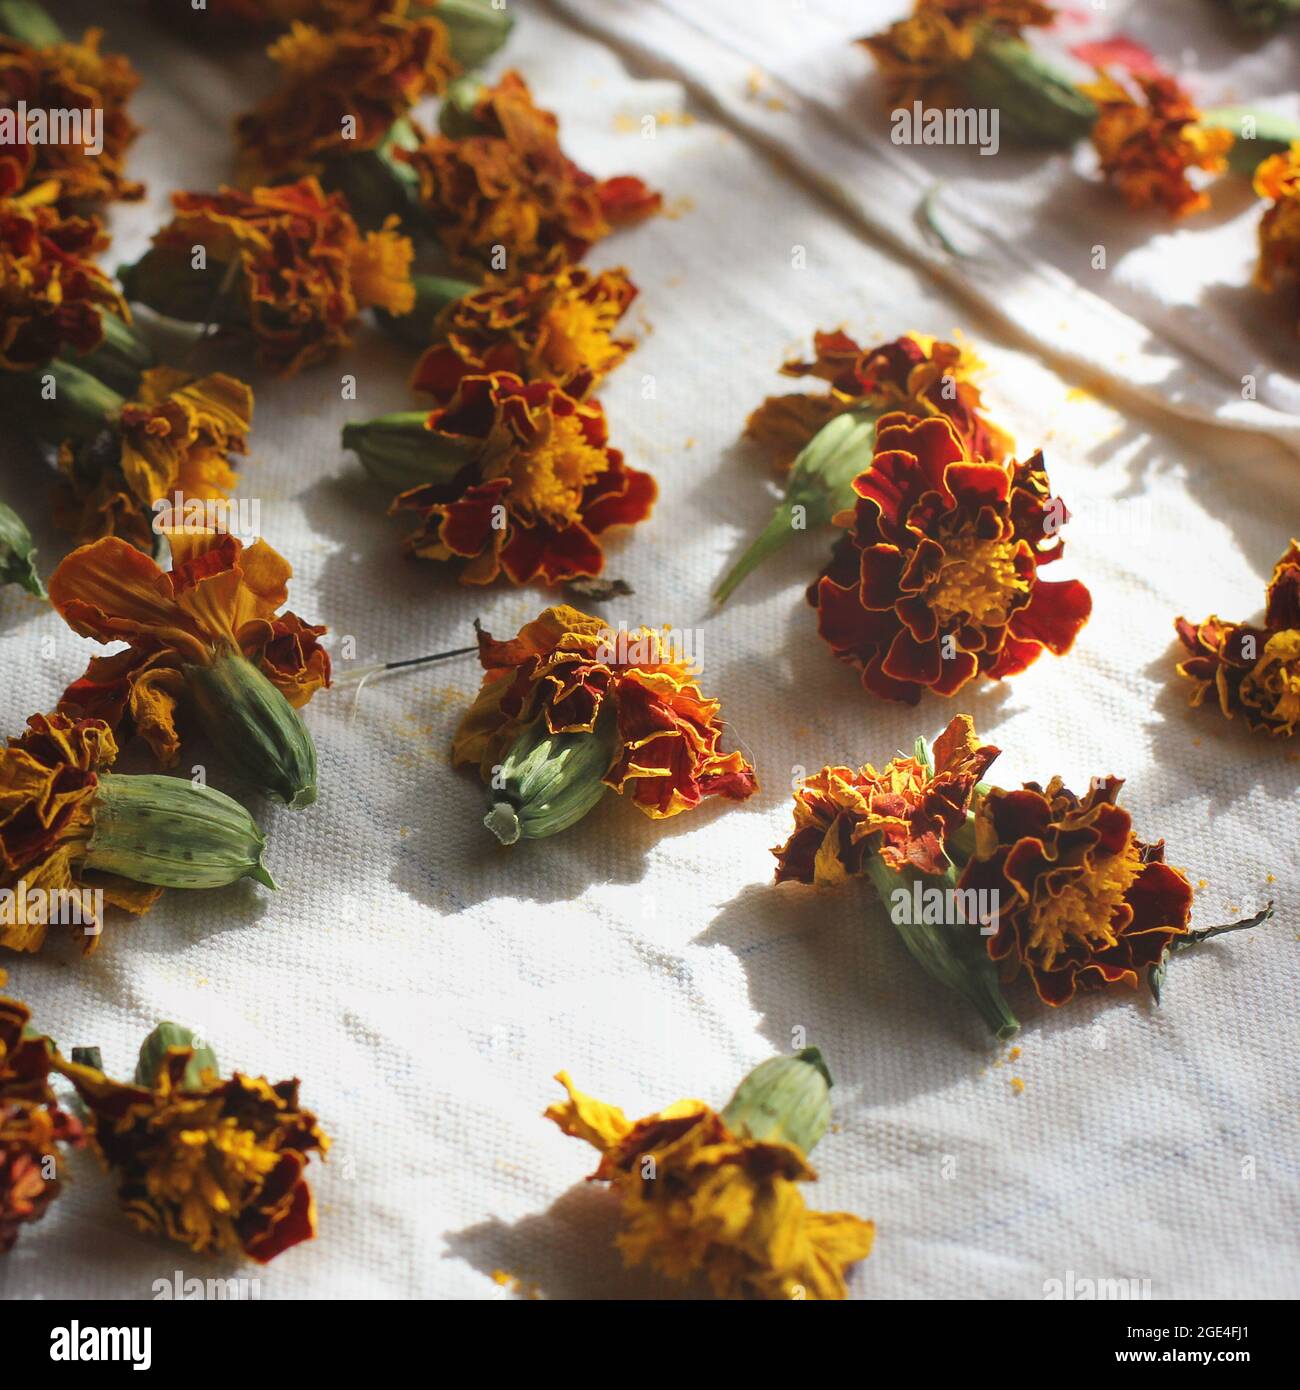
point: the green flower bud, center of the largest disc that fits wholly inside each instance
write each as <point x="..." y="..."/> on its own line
<point x="476" y="28"/>
<point x="548" y="782"/>
<point x="456" y="119"/>
<point x="257" y="729"/>
<point x="173" y="834"/>
<point x="1257" y="134"/>
<point x="400" y="452"/>
<point x="154" y="1050"/>
<point x="121" y="359"/>
<point x="820" y="482"/>
<point x="1036" y="104"/>
<point x="17" y="553"/>
<point x="59" y="401"/>
<point x="165" y="281"/>
<point x="30" y="23"/>
<point x="784" y="1100"/>
<point x="377" y="185"/>
<point x="433" y="293"/>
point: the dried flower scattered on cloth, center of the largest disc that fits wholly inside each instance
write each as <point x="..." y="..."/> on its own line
<point x="629" y="699"/>
<point x="287" y="263"/>
<point x="1147" y="138"/>
<point x="508" y="183"/>
<point x="1278" y="179"/>
<point x="936" y="579"/>
<point x="73" y="76"/>
<point x="52" y="295"/>
<point x="914" y="373"/>
<point x="32" y="1123"/>
<point x="218" y="1165"/>
<point x="703" y="1193"/>
<point x="211" y="629"/>
<point x="175" y="438"/>
<point x="1083" y="903"/>
<point x="530" y="488"/>
<point x="341" y="90"/>
<point x="1253" y="671"/>
<point x="557" y="326"/>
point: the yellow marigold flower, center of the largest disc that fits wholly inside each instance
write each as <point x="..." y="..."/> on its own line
<point x="1147" y="138"/>
<point x="176" y="437"/>
<point x="700" y="1198"/>
<point x="1278" y="179"/>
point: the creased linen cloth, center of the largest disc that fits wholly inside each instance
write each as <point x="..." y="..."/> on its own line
<point x="425" y="985"/>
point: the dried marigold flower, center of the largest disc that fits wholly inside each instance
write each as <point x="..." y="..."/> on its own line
<point x="1254" y="671"/>
<point x="1083" y="903"/>
<point x="504" y="181"/>
<point x="174" y="439"/>
<point x="568" y="677"/>
<point x="1147" y="145"/>
<point x="1278" y="179"/>
<point x="936" y="579"/>
<point x="341" y="90"/>
<point x="52" y="295"/>
<point x="217" y="1165"/>
<point x="904" y="813"/>
<point x="210" y="629"/>
<point x="287" y="264"/>
<point x="526" y="483"/>
<point x="717" y="1194"/>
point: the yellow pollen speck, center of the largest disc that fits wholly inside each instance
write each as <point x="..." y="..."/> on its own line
<point x="977" y="578"/>
<point x="1018" y="1085"/>
<point x="1084" y="907"/>
<point x="1268" y="878"/>
<point x="1013" y="1054"/>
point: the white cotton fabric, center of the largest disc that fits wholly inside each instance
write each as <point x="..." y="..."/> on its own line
<point x="425" y="985"/>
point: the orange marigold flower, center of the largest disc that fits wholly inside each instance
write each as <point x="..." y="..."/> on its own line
<point x="904" y="812"/>
<point x="699" y="1197"/>
<point x="342" y="90"/>
<point x="51" y="294"/>
<point x="49" y="779"/>
<point x="508" y="183"/>
<point x="1278" y="179"/>
<point x="936" y="579"/>
<point x="304" y="270"/>
<point x="217" y="598"/>
<point x="542" y="456"/>
<point x="32" y="1123"/>
<point x="567" y="668"/>
<point x="1254" y="671"/>
<point x="1147" y="138"/>
<point x="549" y="327"/>
<point x="914" y="373"/>
<point x="1082" y="902"/>
<point x="176" y="437"/>
<point x="69" y="77"/>
<point x="215" y="1164"/>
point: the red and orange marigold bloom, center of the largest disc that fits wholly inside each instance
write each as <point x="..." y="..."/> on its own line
<point x="905" y="812"/>
<point x="914" y="373"/>
<point x="557" y="326"/>
<point x="508" y="183"/>
<point x="1147" y="138"/>
<point x="1278" y="179"/>
<point x="1253" y="671"/>
<point x="218" y="597"/>
<point x="567" y="668"/>
<point x="541" y="486"/>
<point x="1082" y="902"/>
<point x="936" y="578"/>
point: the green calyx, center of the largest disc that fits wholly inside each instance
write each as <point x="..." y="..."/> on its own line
<point x="121" y="359"/>
<point x="60" y="401"/>
<point x="29" y="22"/>
<point x="1036" y="104"/>
<point x="18" y="554"/>
<point x="820" y="484"/>
<point x="165" y="280"/>
<point x="433" y="294"/>
<point x="154" y="1050"/>
<point x="255" y="727"/>
<point x="1256" y="135"/>
<point x="475" y="28"/>
<point x="783" y="1100"/>
<point x="548" y="782"/>
<point x="456" y="119"/>
<point x="376" y="184"/>
<point x="168" y="832"/>
<point x="400" y="452"/>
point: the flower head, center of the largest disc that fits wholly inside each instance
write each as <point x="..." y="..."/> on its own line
<point x="215" y="1164"/>
<point x="304" y="270"/>
<point x="936" y="579"/>
<point x="52" y="295"/>
<point x="218" y="598"/>
<point x="565" y="669"/>
<point x="1148" y="139"/>
<point x="699" y="1198"/>
<point x="176" y="437"/>
<point x="1278" y="179"/>
<point x="539" y="460"/>
<point x="1083" y="903"/>
<point x="69" y="77"/>
<point x="914" y="373"/>
<point x="904" y="812"/>
<point x="49" y="782"/>
<point x="342" y="88"/>
<point x="557" y="326"/>
<point x="1254" y="671"/>
<point x="508" y="183"/>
